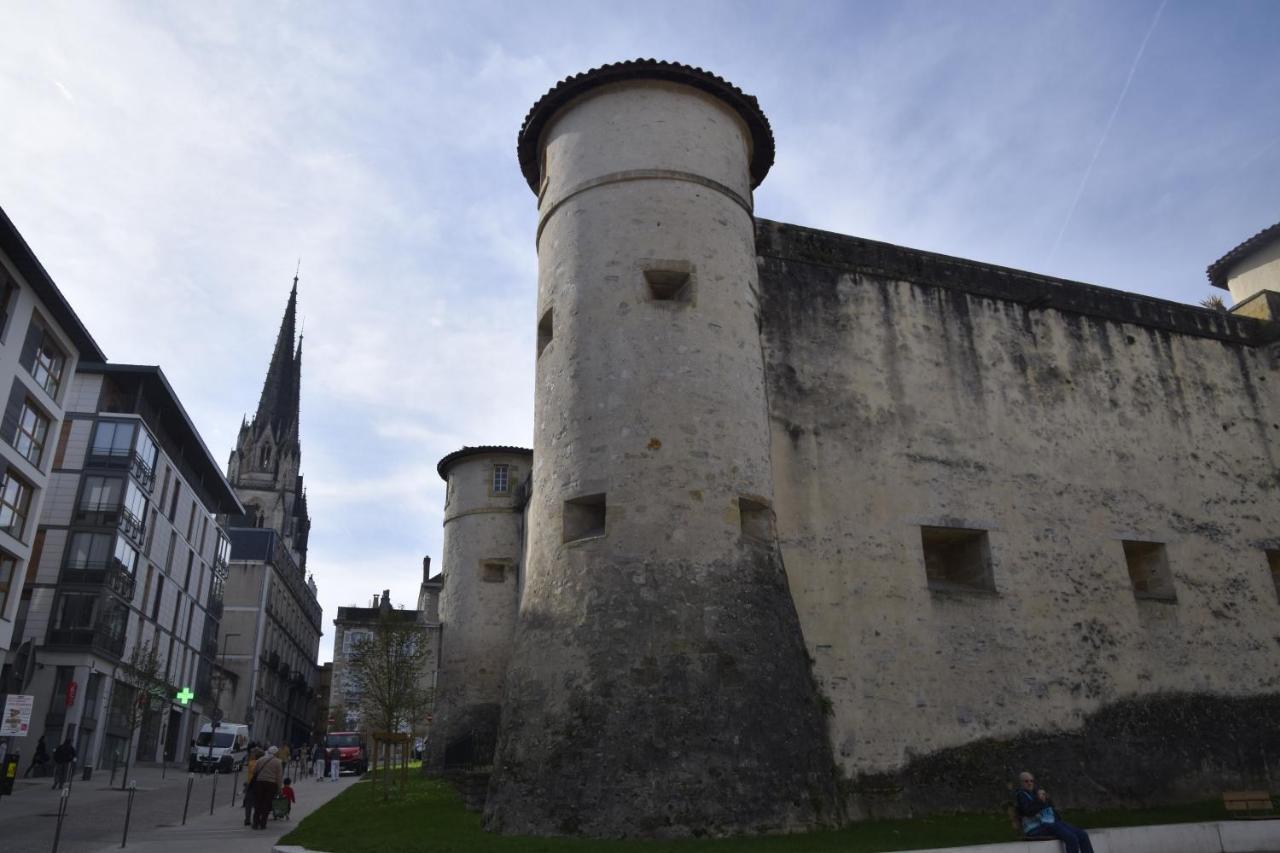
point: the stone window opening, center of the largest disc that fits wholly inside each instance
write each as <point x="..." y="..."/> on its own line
<point x="756" y="518"/>
<point x="493" y="571"/>
<point x="501" y="483"/>
<point x="1149" y="571"/>
<point x="670" y="281"/>
<point x="544" y="331"/>
<point x="584" y="518"/>
<point x="957" y="559"/>
<point x="1273" y="560"/>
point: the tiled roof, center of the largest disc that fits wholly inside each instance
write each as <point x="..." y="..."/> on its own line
<point x="443" y="466"/>
<point x="645" y="69"/>
<point x="1217" y="270"/>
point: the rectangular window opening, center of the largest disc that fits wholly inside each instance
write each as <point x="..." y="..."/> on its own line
<point x="1273" y="560"/>
<point x="957" y="559"/>
<point x="669" y="285"/>
<point x="493" y="571"/>
<point x="1149" y="571"/>
<point x="756" y="518"/>
<point x="544" y="331"/>
<point x="584" y="518"/>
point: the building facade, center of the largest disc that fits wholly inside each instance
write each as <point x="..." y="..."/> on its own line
<point x="128" y="555"/>
<point x="824" y="528"/>
<point x="41" y="342"/>
<point x="272" y="627"/>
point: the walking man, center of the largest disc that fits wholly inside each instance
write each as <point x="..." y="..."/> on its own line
<point x="63" y="757"/>
<point x="40" y="759"/>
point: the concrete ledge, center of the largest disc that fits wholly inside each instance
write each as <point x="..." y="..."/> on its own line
<point x="1251" y="836"/>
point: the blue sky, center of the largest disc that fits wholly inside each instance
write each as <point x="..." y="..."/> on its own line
<point x="170" y="162"/>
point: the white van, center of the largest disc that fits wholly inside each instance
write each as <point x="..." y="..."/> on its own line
<point x="222" y="750"/>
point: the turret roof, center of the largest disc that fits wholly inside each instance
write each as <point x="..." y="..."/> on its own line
<point x="1218" y="270"/>
<point x="443" y="466"/>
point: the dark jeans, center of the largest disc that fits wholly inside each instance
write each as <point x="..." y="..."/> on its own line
<point x="1075" y="840"/>
<point x="248" y="802"/>
<point x="263" y="794"/>
<point x="61" y="772"/>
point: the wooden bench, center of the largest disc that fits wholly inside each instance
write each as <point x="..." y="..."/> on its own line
<point x="1249" y="804"/>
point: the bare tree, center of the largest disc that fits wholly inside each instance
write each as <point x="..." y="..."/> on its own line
<point x="387" y="670"/>
<point x="144" y="674"/>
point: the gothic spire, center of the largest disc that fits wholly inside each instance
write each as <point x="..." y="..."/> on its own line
<point x="278" y="405"/>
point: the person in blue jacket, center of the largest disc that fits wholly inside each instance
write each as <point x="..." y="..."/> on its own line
<point x="1040" y="818"/>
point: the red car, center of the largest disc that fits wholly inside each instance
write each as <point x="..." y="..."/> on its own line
<point x="351" y="752"/>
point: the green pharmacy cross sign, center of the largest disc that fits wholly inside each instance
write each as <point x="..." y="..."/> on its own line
<point x="185" y="695"/>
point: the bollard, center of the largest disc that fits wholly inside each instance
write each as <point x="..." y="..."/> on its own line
<point x="191" y="780"/>
<point x="235" y="786"/>
<point x="214" y="795"/>
<point x="62" y="813"/>
<point x="128" y="810"/>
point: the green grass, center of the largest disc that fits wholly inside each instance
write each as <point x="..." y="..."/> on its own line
<point x="430" y="819"/>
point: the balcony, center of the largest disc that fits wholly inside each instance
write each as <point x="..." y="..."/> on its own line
<point x="111" y="574"/>
<point x="98" y="638"/>
<point x="126" y="460"/>
<point x="112" y="516"/>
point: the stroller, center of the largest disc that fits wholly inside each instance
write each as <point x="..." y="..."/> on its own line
<point x="280" y="807"/>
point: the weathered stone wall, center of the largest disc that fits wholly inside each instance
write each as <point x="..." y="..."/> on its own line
<point x="477" y="606"/>
<point x="908" y="390"/>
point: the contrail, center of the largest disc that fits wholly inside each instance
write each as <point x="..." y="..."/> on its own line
<point x="1105" y="133"/>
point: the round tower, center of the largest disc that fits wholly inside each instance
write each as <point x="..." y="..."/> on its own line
<point x="483" y="541"/>
<point x="659" y="684"/>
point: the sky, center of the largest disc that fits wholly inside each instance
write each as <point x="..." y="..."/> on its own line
<point x="171" y="164"/>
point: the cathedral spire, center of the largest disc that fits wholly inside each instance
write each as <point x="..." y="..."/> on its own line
<point x="278" y="405"/>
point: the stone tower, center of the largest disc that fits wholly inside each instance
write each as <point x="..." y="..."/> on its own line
<point x="264" y="467"/>
<point x="483" y="539"/>
<point x="659" y="684"/>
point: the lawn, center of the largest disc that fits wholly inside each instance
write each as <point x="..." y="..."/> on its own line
<point x="430" y="819"/>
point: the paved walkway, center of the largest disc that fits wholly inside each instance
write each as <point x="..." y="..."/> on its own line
<point x="94" y="821"/>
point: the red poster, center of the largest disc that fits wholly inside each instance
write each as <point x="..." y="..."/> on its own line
<point x="71" y="693"/>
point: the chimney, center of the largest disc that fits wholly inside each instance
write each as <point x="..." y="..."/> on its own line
<point x="426" y="569"/>
<point x="385" y="604"/>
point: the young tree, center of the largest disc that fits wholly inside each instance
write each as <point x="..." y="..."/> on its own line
<point x="143" y="673"/>
<point x="387" y="669"/>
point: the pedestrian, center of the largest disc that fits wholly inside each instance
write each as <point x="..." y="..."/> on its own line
<point x="40" y="759"/>
<point x="247" y="793"/>
<point x="63" y="757"/>
<point x="318" y="766"/>
<point x="268" y="776"/>
<point x="335" y="764"/>
<point x="1041" y="820"/>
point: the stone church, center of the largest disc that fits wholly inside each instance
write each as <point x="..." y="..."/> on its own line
<point x="817" y="528"/>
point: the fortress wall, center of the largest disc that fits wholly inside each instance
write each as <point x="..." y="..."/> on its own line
<point x="898" y="403"/>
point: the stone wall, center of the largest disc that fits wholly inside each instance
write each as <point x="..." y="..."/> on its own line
<point x="910" y="391"/>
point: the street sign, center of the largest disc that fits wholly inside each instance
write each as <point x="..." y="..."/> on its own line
<point x="185" y="696"/>
<point x="16" y="718"/>
<point x="216" y="715"/>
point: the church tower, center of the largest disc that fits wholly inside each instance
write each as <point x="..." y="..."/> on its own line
<point x="264" y="467"/>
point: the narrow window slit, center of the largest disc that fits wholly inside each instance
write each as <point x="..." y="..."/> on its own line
<point x="756" y="518"/>
<point x="584" y="517"/>
<point x="544" y="331"/>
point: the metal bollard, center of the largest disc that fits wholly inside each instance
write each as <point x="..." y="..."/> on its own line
<point x="235" y="786"/>
<point x="213" y="796"/>
<point x="128" y="810"/>
<point x="62" y="813"/>
<point x="191" y="780"/>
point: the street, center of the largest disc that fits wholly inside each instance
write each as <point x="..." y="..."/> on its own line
<point x="95" y="814"/>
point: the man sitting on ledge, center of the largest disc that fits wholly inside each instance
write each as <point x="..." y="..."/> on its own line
<point x="1040" y="819"/>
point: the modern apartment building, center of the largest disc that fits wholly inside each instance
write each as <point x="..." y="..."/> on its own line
<point x="128" y="555"/>
<point x="41" y="341"/>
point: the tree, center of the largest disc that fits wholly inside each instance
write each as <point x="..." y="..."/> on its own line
<point x="387" y="669"/>
<point x="1214" y="303"/>
<point x="143" y="674"/>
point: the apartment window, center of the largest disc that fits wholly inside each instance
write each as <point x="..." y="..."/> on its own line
<point x="15" y="500"/>
<point x="168" y="558"/>
<point x="191" y="522"/>
<point x="8" y="294"/>
<point x="1149" y="572"/>
<point x="126" y="556"/>
<point x="957" y="559"/>
<point x="1273" y="560"/>
<point x="43" y="358"/>
<point x="173" y="507"/>
<point x="155" y="602"/>
<point x="32" y="431"/>
<point x="89" y="550"/>
<point x="584" y="517"/>
<point x="100" y="494"/>
<point x="147" y="452"/>
<point x="113" y="440"/>
<point x="8" y="568"/>
<point x="191" y="557"/>
<point x="76" y="610"/>
<point x="204" y="531"/>
<point x="501" y="479"/>
<point x="135" y="501"/>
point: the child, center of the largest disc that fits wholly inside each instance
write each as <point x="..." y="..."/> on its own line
<point x="287" y="791"/>
<point x="283" y="802"/>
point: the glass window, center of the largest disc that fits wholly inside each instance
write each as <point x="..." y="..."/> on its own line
<point x="501" y="479"/>
<point x="33" y="429"/>
<point x="135" y="501"/>
<point x="76" y="610"/>
<point x="8" y="566"/>
<point x="49" y="360"/>
<point x="100" y="493"/>
<point x="89" y="550"/>
<point x="126" y="556"/>
<point x="146" y="449"/>
<point x="15" y="500"/>
<point x="113" y="438"/>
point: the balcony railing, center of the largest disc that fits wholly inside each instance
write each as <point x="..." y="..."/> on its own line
<point x="98" y="638"/>
<point x="112" y="516"/>
<point x="111" y="574"/>
<point x="126" y="459"/>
